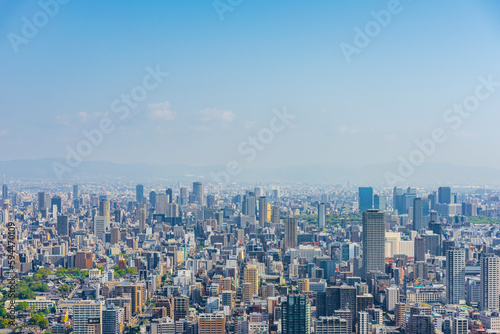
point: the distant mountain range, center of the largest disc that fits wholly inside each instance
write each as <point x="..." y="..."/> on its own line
<point x="427" y="174"/>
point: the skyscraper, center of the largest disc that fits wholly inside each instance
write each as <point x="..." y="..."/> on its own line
<point x="275" y="215"/>
<point x="262" y="211"/>
<point x="100" y="227"/>
<point x="75" y="192"/>
<point x="321" y="216"/>
<point x="139" y="193"/>
<point x="57" y="201"/>
<point x="444" y="195"/>
<point x="373" y="242"/>
<point x="296" y="315"/>
<point x="251" y="275"/>
<point x="363" y="322"/>
<point x="170" y="194"/>
<point x="490" y="282"/>
<point x="152" y="199"/>
<point x="365" y="195"/>
<point x="419" y="248"/>
<point x="418" y="218"/>
<point x="62" y="225"/>
<point x="249" y="204"/>
<point x="455" y="275"/>
<point x="290" y="233"/>
<point x="105" y="211"/>
<point x="198" y="193"/>
<point x="142" y="220"/>
<point x="398" y="200"/>
<point x="5" y="192"/>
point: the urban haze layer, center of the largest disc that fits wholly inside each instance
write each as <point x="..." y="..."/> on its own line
<point x="126" y="258"/>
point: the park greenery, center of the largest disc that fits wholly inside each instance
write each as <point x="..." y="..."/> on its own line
<point x="484" y="220"/>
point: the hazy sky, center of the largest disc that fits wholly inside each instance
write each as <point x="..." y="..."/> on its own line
<point x="228" y="70"/>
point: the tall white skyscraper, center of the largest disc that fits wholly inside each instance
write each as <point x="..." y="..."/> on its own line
<point x="321" y="216"/>
<point x="490" y="282"/>
<point x="455" y="275"/>
<point x="363" y="322"/>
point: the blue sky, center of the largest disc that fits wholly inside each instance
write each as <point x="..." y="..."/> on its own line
<point x="226" y="77"/>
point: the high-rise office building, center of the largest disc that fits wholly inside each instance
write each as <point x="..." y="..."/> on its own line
<point x="75" y="192"/>
<point x="275" y="215"/>
<point x="398" y="200"/>
<point x="490" y="282"/>
<point x="365" y="195"/>
<point x="249" y="205"/>
<point x="455" y="275"/>
<point x="152" y="199"/>
<point x="63" y="225"/>
<point x="212" y="323"/>
<point x="380" y="202"/>
<point x="321" y="216"/>
<point x="105" y="211"/>
<point x="5" y="191"/>
<point x="296" y="315"/>
<point x="419" y="248"/>
<point x="263" y="213"/>
<point x="115" y="235"/>
<point x="87" y="317"/>
<point x="373" y="242"/>
<point x="251" y="275"/>
<point x="100" y="227"/>
<point x="110" y="317"/>
<point x="391" y="298"/>
<point x="170" y="194"/>
<point x="139" y="193"/>
<point x="444" y="195"/>
<point x="181" y="307"/>
<point x="418" y="214"/>
<point x="198" y="193"/>
<point x="337" y="298"/>
<point x="142" y="220"/>
<point x="363" y="319"/>
<point x="57" y="201"/>
<point x="290" y="240"/>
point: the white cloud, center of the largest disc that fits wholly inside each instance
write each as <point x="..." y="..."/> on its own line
<point x="348" y="130"/>
<point x="3" y="132"/>
<point x="161" y="112"/>
<point x="63" y="120"/>
<point x="212" y="114"/>
<point x="83" y="116"/>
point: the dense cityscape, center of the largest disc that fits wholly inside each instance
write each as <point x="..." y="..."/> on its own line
<point x="123" y="258"/>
